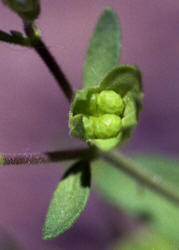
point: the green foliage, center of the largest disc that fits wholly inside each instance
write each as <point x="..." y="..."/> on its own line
<point x="92" y="108"/>
<point x="104" y="49"/>
<point x="103" y="114"/>
<point x="28" y="10"/>
<point x="145" y="240"/>
<point x="68" y="201"/>
<point x="124" y="192"/>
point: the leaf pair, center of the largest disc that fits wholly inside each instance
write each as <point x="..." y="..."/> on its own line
<point x="72" y="192"/>
<point x="102" y="125"/>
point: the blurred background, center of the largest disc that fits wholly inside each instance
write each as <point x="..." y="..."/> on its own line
<point x="34" y="112"/>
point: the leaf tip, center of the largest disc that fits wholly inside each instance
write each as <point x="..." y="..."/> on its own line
<point x="46" y="235"/>
<point x="109" y="9"/>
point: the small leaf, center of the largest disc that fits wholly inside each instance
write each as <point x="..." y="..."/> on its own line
<point x="68" y="201"/>
<point x="122" y="79"/>
<point x="104" y="49"/>
<point x="124" y="192"/>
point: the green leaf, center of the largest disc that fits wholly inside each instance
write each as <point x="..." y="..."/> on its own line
<point x="104" y="49"/>
<point x="124" y="192"/>
<point x="68" y="201"/>
<point x="145" y="240"/>
<point x="122" y="79"/>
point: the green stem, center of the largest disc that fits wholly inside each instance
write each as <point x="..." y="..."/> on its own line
<point x="47" y="157"/>
<point x="118" y="160"/>
<point x="48" y="59"/>
<point x="129" y="167"/>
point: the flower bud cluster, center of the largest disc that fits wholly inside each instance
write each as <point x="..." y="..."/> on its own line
<point x="105" y="112"/>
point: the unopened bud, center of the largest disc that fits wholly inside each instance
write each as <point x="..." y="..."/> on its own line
<point x="109" y="102"/>
<point x="26" y="9"/>
<point x="102" y="127"/>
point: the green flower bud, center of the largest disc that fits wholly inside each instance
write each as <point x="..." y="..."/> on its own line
<point x="108" y="101"/>
<point x="107" y="126"/>
<point x="26" y="9"/>
<point x="105" y="115"/>
<point x="102" y="127"/>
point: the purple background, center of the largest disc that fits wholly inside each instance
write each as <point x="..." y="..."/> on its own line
<point x="34" y="113"/>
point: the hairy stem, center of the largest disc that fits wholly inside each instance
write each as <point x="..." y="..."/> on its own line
<point x="117" y="159"/>
<point x="47" y="157"/>
<point x="144" y="177"/>
<point x="49" y="60"/>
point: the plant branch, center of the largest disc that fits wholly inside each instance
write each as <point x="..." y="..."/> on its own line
<point x="34" y="35"/>
<point x="144" y="177"/>
<point x="117" y="159"/>
<point x="47" y="157"/>
<point x="14" y="37"/>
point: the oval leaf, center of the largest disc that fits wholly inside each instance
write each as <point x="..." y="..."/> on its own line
<point x="124" y="192"/>
<point x="104" y="49"/>
<point x="68" y="201"/>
